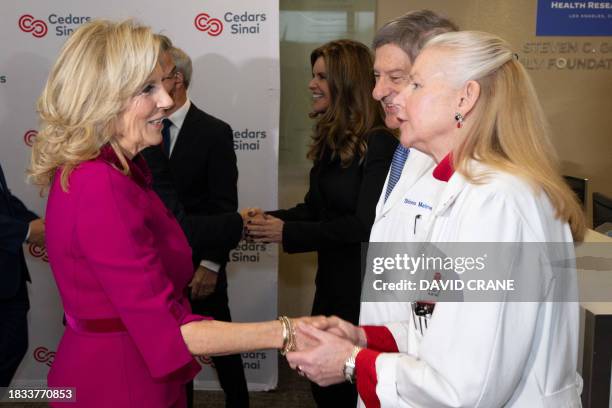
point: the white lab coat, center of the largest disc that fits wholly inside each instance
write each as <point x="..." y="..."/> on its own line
<point x="403" y="218"/>
<point x="488" y="354"/>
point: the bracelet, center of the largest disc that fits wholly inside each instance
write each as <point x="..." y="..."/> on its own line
<point x="288" y="335"/>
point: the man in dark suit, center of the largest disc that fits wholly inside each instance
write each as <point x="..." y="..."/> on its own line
<point x="199" y="184"/>
<point x="17" y="225"/>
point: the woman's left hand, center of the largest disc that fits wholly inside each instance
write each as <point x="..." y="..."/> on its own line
<point x="324" y="363"/>
<point x="267" y="229"/>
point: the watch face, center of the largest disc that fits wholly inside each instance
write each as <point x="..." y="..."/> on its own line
<point x="348" y="374"/>
<point x="349" y="365"/>
<point x="349" y="369"/>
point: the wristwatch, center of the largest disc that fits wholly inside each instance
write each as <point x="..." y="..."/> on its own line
<point x="349" y="365"/>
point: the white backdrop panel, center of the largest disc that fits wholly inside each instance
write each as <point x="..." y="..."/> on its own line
<point x="235" y="50"/>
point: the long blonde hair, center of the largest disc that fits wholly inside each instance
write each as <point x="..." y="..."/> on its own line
<point x="101" y="66"/>
<point x="509" y="130"/>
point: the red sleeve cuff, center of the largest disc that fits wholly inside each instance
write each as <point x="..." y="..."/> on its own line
<point x="380" y="338"/>
<point x="365" y="371"/>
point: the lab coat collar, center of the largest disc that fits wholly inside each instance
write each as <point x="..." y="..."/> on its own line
<point x="456" y="181"/>
<point x="444" y="170"/>
<point x="415" y="167"/>
<point x="455" y="185"/>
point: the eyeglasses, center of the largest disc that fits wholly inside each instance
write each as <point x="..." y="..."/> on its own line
<point x="171" y="75"/>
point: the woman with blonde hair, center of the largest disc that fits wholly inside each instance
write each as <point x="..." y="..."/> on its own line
<point x="471" y="106"/>
<point x="351" y="152"/>
<point x="120" y="259"/>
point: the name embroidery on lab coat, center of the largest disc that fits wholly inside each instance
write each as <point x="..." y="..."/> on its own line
<point x="420" y="204"/>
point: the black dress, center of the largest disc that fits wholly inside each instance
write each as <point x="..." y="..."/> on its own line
<point x="335" y="219"/>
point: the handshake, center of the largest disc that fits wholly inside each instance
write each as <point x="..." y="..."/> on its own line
<point x="321" y="347"/>
<point x="261" y="227"/>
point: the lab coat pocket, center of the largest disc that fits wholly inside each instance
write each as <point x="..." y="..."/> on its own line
<point x="410" y="220"/>
<point x="568" y="397"/>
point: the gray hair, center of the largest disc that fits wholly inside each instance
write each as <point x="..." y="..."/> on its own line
<point x="165" y="43"/>
<point x="412" y="30"/>
<point x="476" y="54"/>
<point x="183" y="64"/>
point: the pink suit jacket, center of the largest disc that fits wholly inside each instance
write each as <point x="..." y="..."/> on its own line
<point x="119" y="256"/>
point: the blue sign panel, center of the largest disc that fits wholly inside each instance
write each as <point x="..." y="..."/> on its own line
<point x="574" y="18"/>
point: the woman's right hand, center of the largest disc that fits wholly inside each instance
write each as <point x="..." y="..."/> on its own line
<point x="304" y="342"/>
<point x="248" y="214"/>
<point x="266" y="228"/>
<point x="333" y="325"/>
<point x="346" y="330"/>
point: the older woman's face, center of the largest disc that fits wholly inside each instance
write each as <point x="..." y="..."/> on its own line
<point x="428" y="104"/>
<point x="140" y="123"/>
<point x="319" y="87"/>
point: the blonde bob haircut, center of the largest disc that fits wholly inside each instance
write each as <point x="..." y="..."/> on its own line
<point x="509" y="131"/>
<point x="99" y="69"/>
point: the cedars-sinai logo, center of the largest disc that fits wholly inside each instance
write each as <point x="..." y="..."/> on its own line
<point x="29" y="24"/>
<point x="38" y="251"/>
<point x="29" y="137"/>
<point x="44" y="355"/>
<point x="210" y="25"/>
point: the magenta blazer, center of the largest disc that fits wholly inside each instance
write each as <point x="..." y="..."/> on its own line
<point x="121" y="264"/>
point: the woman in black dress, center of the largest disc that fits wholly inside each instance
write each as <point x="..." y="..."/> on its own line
<point x="351" y="151"/>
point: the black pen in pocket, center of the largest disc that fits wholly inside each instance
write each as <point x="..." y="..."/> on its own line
<point x="416" y="218"/>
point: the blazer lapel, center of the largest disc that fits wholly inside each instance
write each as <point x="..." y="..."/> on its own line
<point x="415" y="167"/>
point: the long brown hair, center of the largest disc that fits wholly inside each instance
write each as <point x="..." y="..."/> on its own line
<point x="352" y="111"/>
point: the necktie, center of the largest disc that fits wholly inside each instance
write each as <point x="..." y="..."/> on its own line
<point x="397" y="165"/>
<point x="166" y="136"/>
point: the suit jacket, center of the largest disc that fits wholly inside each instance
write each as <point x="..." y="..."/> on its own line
<point x="14" y="221"/>
<point x="199" y="185"/>
<point x="335" y="218"/>
<point x="203" y="232"/>
<point x="118" y="254"/>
